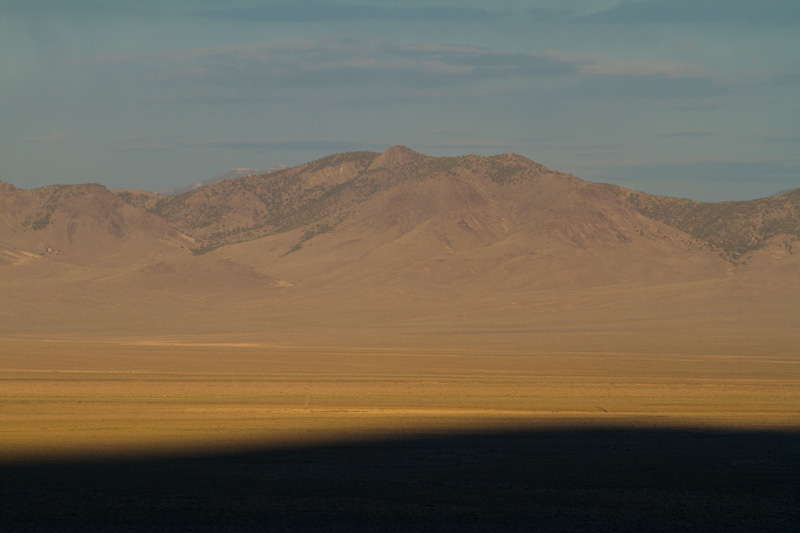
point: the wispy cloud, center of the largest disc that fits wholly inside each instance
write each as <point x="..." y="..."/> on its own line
<point x="783" y="139"/>
<point x="650" y="86"/>
<point x="309" y="144"/>
<point x="307" y="11"/>
<point x="251" y="143"/>
<point x="144" y="147"/>
<point x="786" y="79"/>
<point x="332" y="62"/>
<point x="688" y="134"/>
<point x="596" y="65"/>
<point x="476" y="60"/>
<point x="348" y="61"/>
<point x="381" y="72"/>
<point x="310" y="11"/>
<point x="56" y="136"/>
<point x="472" y="143"/>
<point x="550" y="15"/>
<point x="323" y="145"/>
<point x="767" y="12"/>
<point x="83" y="8"/>
<point x="714" y="180"/>
<point x="710" y="171"/>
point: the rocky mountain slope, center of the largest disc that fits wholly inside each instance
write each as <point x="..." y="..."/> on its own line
<point x="81" y="222"/>
<point x="323" y="193"/>
<point x="472" y="198"/>
<point x="397" y="239"/>
<point x="736" y="228"/>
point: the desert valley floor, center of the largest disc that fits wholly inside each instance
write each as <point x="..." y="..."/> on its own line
<point x="78" y="399"/>
<point x="398" y="342"/>
<point x="154" y="435"/>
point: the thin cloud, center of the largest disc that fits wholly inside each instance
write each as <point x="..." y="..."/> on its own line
<point x="319" y="11"/>
<point x="688" y="134"/>
<point x="334" y="62"/>
<point x="140" y="148"/>
<point x="83" y="8"/>
<point x="767" y="12"/>
<point x="395" y="73"/>
<point x="702" y="107"/>
<point x="594" y="65"/>
<point x="786" y="79"/>
<point x="702" y="180"/>
<point x="316" y="145"/>
<point x="791" y="139"/>
<point x="56" y="136"/>
<point x="473" y="143"/>
<point x="548" y="15"/>
<point x="650" y="86"/>
<point x="475" y="60"/>
<point x="711" y="171"/>
<point x="405" y="96"/>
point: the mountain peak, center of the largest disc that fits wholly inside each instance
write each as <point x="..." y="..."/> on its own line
<point x="512" y="157"/>
<point x="395" y="156"/>
<point x="400" y="149"/>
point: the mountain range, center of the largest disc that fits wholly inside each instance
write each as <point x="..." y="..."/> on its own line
<point x="400" y="245"/>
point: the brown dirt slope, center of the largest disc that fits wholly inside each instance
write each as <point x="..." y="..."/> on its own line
<point x="402" y="247"/>
<point x="251" y="207"/>
<point x="80" y="221"/>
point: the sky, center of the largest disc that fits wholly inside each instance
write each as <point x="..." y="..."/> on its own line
<point x="689" y="98"/>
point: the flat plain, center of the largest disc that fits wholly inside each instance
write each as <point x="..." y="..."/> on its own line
<point x="84" y="398"/>
<point x="396" y="341"/>
<point x="216" y="436"/>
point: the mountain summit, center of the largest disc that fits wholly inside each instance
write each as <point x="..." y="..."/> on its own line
<point x="395" y="156"/>
<point x="460" y="199"/>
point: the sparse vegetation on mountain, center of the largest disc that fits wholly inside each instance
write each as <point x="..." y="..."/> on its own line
<point x="482" y="195"/>
<point x="494" y="250"/>
<point x="736" y="228"/>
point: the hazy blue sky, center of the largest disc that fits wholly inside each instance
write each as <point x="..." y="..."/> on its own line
<point x="694" y="98"/>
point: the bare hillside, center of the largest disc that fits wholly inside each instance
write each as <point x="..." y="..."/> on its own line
<point x="401" y="247"/>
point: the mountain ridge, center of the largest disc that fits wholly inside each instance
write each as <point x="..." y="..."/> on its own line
<point x="318" y="195"/>
<point x="361" y="245"/>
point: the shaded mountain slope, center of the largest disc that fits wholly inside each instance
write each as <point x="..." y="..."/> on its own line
<point x="254" y="206"/>
<point x="736" y="228"/>
<point x="534" y="228"/>
<point x="495" y="223"/>
<point x="81" y="222"/>
<point x="318" y="195"/>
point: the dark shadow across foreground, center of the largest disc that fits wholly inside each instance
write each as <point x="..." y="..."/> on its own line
<point x="580" y="479"/>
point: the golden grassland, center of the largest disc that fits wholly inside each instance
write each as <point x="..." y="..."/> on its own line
<point x="70" y="399"/>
